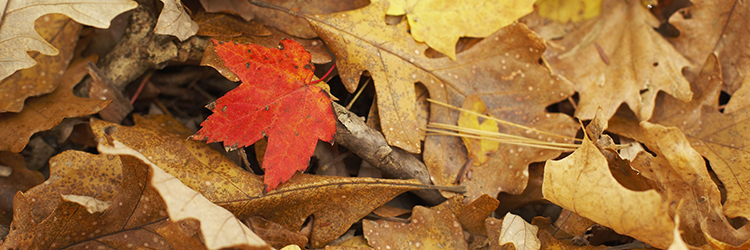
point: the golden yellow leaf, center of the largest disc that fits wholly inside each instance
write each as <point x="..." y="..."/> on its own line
<point x="569" y="10"/>
<point x="626" y="61"/>
<point x="440" y="23"/>
<point x="17" y="27"/>
<point x="478" y="149"/>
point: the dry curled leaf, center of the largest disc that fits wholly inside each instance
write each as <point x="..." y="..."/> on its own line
<point x="62" y="32"/>
<point x="626" y="60"/>
<point x="44" y="112"/>
<point x="173" y="20"/>
<point x="17" y="27"/>
<point x="520" y="233"/>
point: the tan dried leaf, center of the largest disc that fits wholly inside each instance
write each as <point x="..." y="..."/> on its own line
<point x="45" y="112"/>
<point x="428" y="229"/>
<point x="626" y="60"/>
<point x="17" y="27"/>
<point x="62" y="32"/>
<point x="520" y="233"/>
<point x="173" y="20"/>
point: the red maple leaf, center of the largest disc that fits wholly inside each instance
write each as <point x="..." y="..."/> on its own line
<point x="275" y="100"/>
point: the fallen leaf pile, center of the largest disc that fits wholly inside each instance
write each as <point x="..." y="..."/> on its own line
<point x="390" y="124"/>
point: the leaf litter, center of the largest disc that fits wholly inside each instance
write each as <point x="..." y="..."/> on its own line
<point x="682" y="190"/>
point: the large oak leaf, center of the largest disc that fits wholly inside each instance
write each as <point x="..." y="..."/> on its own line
<point x="720" y="137"/>
<point x="625" y="60"/>
<point x="17" y="34"/>
<point x="503" y="70"/>
<point x="335" y="202"/>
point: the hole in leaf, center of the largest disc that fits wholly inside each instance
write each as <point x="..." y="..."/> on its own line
<point x="393" y="20"/>
<point x="463" y="44"/>
<point x="723" y="100"/>
<point x="564" y="106"/>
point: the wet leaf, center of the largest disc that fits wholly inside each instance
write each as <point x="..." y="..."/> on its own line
<point x="44" y="112"/>
<point x="62" y="32"/>
<point x="17" y="28"/>
<point x="427" y="229"/>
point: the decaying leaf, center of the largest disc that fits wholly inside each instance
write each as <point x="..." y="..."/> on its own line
<point x="219" y="227"/>
<point x="548" y="239"/>
<point x="569" y="10"/>
<point x="275" y="100"/>
<point x="173" y="20"/>
<point x="335" y="202"/>
<point x="720" y="137"/>
<point x="520" y="233"/>
<point x="428" y="229"/>
<point x="290" y="24"/>
<point x="44" y="112"/>
<point x="17" y="27"/>
<point x="626" y="62"/>
<point x="16" y="177"/>
<point x="62" y="32"/>
<point x="502" y="69"/>
<point x="582" y="183"/>
<point x="441" y="23"/>
<point x="135" y="218"/>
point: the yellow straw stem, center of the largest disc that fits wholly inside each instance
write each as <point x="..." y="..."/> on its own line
<point x="500" y="121"/>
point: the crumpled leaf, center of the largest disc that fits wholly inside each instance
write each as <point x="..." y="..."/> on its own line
<point x="569" y="10"/>
<point x="441" y="23"/>
<point x="520" y="233"/>
<point x="17" y="28"/>
<point x="136" y="217"/>
<point x="44" y="112"/>
<point x="275" y="100"/>
<point x="626" y="62"/>
<point x="579" y="181"/>
<point x="290" y="24"/>
<point x="428" y="229"/>
<point x="719" y="27"/>
<point x="173" y="20"/>
<point x="502" y="69"/>
<point x="547" y="236"/>
<point x="19" y="179"/>
<point x="62" y="32"/>
<point x="335" y="202"/>
<point x="220" y="229"/>
<point x="720" y="137"/>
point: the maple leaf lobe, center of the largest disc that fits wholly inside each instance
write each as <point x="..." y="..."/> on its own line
<point x="274" y="100"/>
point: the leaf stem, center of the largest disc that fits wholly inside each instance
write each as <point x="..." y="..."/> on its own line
<point x="324" y="76"/>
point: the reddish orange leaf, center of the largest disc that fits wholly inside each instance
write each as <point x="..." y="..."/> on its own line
<point x="275" y="100"/>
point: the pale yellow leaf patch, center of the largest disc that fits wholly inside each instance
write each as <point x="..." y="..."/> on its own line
<point x="519" y="232"/>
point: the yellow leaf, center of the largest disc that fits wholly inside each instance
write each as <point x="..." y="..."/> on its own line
<point x="478" y="149"/>
<point x="440" y="23"/>
<point x="569" y="10"/>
